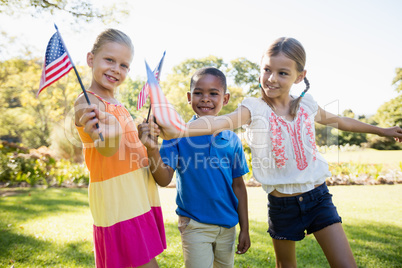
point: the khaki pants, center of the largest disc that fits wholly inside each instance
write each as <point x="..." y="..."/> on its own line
<point x="206" y="245"/>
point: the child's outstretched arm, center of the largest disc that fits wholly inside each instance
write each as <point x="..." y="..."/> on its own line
<point x="207" y="125"/>
<point x="88" y="116"/>
<point x="353" y="125"/>
<point x="239" y="188"/>
<point x="148" y="134"/>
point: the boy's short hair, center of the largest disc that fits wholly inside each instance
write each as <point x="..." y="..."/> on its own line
<point x="208" y="70"/>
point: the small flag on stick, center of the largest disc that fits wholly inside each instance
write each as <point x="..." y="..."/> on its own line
<point x="163" y="111"/>
<point x="58" y="63"/>
<point x="144" y="93"/>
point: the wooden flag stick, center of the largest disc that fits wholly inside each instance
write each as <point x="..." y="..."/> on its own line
<point x="78" y="76"/>
<point x="149" y="112"/>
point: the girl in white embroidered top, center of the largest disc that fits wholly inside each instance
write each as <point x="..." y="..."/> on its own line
<point x="281" y="135"/>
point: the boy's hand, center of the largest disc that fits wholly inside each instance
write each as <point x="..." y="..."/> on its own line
<point x="148" y="134"/>
<point x="244" y="242"/>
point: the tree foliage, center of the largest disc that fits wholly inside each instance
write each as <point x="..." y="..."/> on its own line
<point x="398" y="80"/>
<point x="25" y="117"/>
<point x="177" y="83"/>
<point x="80" y="10"/>
<point x="345" y="137"/>
<point x="388" y="115"/>
<point x="128" y="95"/>
<point x="48" y="119"/>
<point x="246" y="75"/>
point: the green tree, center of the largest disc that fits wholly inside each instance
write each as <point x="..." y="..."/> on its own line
<point x="325" y="136"/>
<point x="177" y="83"/>
<point x="80" y="10"/>
<point x="25" y="117"/>
<point x="345" y="137"/>
<point x="246" y="75"/>
<point x="398" y="80"/>
<point x="128" y="95"/>
<point x="388" y="115"/>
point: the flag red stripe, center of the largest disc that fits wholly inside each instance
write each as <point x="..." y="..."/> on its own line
<point x="142" y="97"/>
<point x="55" y="64"/>
<point x="56" y="72"/>
<point x="162" y="109"/>
<point x="144" y="93"/>
<point x="157" y="104"/>
<point x="59" y="74"/>
<point x="57" y="67"/>
<point x="48" y="83"/>
<point x="55" y="78"/>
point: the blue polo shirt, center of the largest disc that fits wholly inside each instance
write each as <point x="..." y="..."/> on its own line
<point x="205" y="167"/>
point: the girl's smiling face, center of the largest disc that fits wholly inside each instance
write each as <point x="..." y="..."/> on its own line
<point x="110" y="65"/>
<point x="278" y="74"/>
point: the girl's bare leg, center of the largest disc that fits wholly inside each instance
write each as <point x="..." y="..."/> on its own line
<point x="335" y="245"/>
<point x="285" y="252"/>
<point x="151" y="264"/>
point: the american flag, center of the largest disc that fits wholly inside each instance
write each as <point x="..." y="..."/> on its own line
<point x="163" y="111"/>
<point x="57" y="63"/>
<point x="144" y="93"/>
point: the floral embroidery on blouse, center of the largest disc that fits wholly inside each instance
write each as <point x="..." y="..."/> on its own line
<point x="277" y="142"/>
<point x="295" y="133"/>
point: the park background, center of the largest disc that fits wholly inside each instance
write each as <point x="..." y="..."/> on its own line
<point x="354" y="67"/>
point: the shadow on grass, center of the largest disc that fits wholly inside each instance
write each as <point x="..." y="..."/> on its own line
<point x="259" y="255"/>
<point x="27" y="251"/>
<point x="376" y="245"/>
<point x="37" y="202"/>
<point x="373" y="245"/>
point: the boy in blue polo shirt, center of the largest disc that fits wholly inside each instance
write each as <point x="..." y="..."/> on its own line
<point x="211" y="195"/>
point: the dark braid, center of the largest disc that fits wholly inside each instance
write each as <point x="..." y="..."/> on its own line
<point x="294" y="105"/>
<point x="307" y="86"/>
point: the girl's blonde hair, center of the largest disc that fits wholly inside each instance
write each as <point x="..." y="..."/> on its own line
<point x="294" y="50"/>
<point x="112" y="35"/>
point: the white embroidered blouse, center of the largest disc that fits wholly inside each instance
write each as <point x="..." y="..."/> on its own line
<point x="284" y="153"/>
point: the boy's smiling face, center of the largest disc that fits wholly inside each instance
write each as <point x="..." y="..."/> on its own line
<point x="208" y="96"/>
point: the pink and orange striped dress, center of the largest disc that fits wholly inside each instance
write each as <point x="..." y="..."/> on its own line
<point x="123" y="198"/>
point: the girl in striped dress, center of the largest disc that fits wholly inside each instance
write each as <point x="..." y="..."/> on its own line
<point x="123" y="196"/>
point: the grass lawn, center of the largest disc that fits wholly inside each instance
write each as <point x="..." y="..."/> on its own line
<point x="52" y="228"/>
<point x="368" y="156"/>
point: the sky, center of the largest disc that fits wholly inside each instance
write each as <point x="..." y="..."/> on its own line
<point x="352" y="47"/>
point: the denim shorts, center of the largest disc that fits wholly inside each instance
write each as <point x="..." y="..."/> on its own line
<point x="290" y="217"/>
